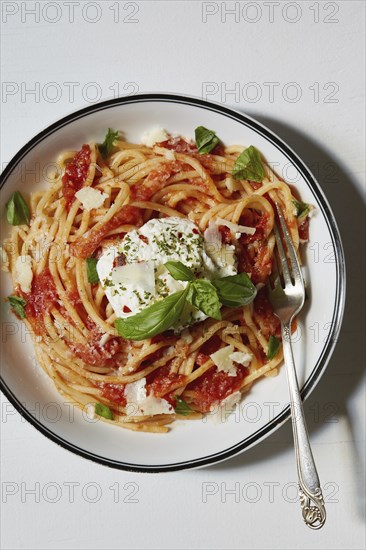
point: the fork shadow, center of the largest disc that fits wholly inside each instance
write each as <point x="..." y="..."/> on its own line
<point x="345" y="371"/>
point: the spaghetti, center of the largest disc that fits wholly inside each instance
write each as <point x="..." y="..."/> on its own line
<point x="145" y="384"/>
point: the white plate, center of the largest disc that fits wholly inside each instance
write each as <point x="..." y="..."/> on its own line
<point x="195" y="443"/>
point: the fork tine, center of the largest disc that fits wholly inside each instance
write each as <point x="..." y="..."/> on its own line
<point x="282" y="256"/>
<point x="298" y="278"/>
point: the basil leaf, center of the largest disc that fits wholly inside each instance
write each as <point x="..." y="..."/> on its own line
<point x="106" y="147"/>
<point x="235" y="290"/>
<point x="91" y="268"/>
<point x="248" y="166"/>
<point x="103" y="410"/>
<point x="206" y="140"/>
<point x="17" y="210"/>
<point x="182" y="406"/>
<point x="302" y="208"/>
<point x="204" y="297"/>
<point x="154" y="319"/>
<point x="179" y="271"/>
<point x="273" y="347"/>
<point x="18" y="305"/>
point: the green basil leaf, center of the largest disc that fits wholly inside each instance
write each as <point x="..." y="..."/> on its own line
<point x="154" y="319"/>
<point x="91" y="268"/>
<point x="302" y="208"/>
<point x="17" y="210"/>
<point x="103" y="410"/>
<point x="206" y="140"/>
<point x="18" y="305"/>
<point x="248" y="166"/>
<point x="179" y="271"/>
<point x="204" y="297"/>
<point x="235" y="290"/>
<point x="182" y="406"/>
<point x="106" y="147"/>
<point x="273" y="347"/>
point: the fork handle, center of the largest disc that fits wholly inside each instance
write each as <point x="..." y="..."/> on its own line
<point x="311" y="498"/>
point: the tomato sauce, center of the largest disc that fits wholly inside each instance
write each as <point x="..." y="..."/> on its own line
<point x="114" y="392"/>
<point x="256" y="263"/>
<point x="214" y="386"/>
<point x="209" y="347"/>
<point x="162" y="381"/>
<point x="225" y="234"/>
<point x="94" y="354"/>
<point x="264" y="315"/>
<point x="251" y="218"/>
<point x="85" y="245"/>
<point x="304" y="230"/>
<point x="41" y="299"/>
<point x="75" y="174"/>
<point x="155" y="181"/>
<point x="179" y="145"/>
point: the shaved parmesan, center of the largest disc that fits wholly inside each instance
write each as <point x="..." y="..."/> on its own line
<point x="220" y="413"/>
<point x="241" y="358"/>
<point x="23" y="272"/>
<point x="222" y="360"/>
<point x="156" y="135"/>
<point x="91" y="198"/>
<point x="4" y="259"/>
<point x="169" y="154"/>
<point x="235" y="228"/>
<point x="231" y="400"/>
<point x="104" y="339"/>
<point x="90" y="411"/>
<point x="141" y="404"/>
<point x="232" y="185"/>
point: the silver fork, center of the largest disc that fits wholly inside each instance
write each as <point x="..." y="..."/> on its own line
<point x="287" y="299"/>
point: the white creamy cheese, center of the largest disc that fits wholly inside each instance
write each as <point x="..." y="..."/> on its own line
<point x="141" y="404"/>
<point x="24" y="273"/>
<point x="156" y="135"/>
<point x="223" y="255"/>
<point x="133" y="274"/>
<point x="91" y="198"/>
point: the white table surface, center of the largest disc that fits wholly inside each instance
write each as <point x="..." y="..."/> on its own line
<point x="298" y="68"/>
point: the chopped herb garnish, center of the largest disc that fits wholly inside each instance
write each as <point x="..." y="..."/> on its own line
<point x="18" y="306"/>
<point x="235" y="290"/>
<point x="154" y="319"/>
<point x="106" y="147"/>
<point x="17" y="210"/>
<point x="179" y="271"/>
<point x="182" y="406"/>
<point x="273" y="347"/>
<point x="204" y="297"/>
<point x="103" y="410"/>
<point x="302" y="208"/>
<point x="248" y="166"/>
<point x="206" y="140"/>
<point x="91" y="267"/>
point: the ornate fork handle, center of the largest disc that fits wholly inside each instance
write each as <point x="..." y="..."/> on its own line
<point x="311" y="498"/>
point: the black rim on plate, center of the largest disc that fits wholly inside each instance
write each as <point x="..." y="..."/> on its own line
<point x="338" y="301"/>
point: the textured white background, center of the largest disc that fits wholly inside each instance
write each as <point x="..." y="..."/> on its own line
<point x="311" y="55"/>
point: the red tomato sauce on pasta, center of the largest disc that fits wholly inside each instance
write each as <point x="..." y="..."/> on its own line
<point x="75" y="174"/>
<point x="214" y="386"/>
